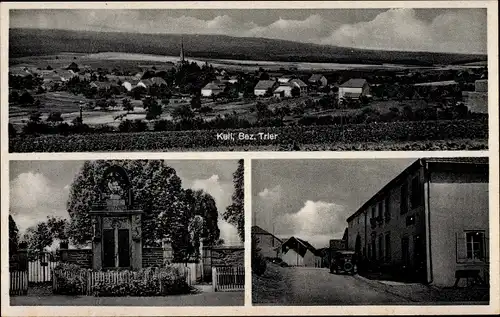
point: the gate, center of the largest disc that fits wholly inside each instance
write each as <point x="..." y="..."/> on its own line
<point x="40" y="270"/>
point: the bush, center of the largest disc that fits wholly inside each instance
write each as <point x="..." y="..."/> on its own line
<point x="145" y="282"/>
<point x="71" y="279"/>
<point x="259" y="263"/>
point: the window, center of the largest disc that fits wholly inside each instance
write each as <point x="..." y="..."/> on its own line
<point x="387" y="213"/>
<point x="475" y="245"/>
<point x="416" y="193"/>
<point x="404" y="199"/>
<point x="373" y="212"/>
<point x="380" y="208"/>
<point x="108" y="240"/>
<point x="387" y="246"/>
<point x="410" y="220"/>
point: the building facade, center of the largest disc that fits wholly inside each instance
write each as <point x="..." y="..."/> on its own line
<point x="298" y="252"/>
<point x="269" y="244"/>
<point x="430" y="223"/>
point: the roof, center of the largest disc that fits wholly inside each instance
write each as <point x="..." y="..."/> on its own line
<point x="259" y="230"/>
<point x="213" y="86"/>
<point x="354" y="83"/>
<point x="456" y="163"/>
<point x="438" y="83"/>
<point x="298" y="82"/>
<point x="101" y="85"/>
<point x="300" y="246"/>
<point x="265" y="84"/>
<point x="316" y="77"/>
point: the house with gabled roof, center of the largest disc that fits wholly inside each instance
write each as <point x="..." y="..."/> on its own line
<point x="298" y="252"/>
<point x="213" y="89"/>
<point x="318" y="80"/>
<point x="268" y="243"/>
<point x="264" y="87"/>
<point x="354" y="88"/>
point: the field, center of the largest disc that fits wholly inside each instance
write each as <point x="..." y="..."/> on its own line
<point x="417" y="135"/>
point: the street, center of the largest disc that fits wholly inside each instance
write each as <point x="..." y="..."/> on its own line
<point x="202" y="299"/>
<point x="315" y="286"/>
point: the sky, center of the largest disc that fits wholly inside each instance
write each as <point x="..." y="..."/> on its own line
<point x="439" y="30"/>
<point x="41" y="188"/>
<point x="312" y="199"/>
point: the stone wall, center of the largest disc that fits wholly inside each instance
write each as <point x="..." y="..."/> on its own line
<point x="152" y="257"/>
<point x="228" y="256"/>
<point x="80" y="257"/>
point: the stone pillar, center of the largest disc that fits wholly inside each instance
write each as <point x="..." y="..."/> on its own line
<point x="202" y="240"/>
<point x="168" y="253"/>
<point x="97" y="243"/>
<point x="136" y="228"/>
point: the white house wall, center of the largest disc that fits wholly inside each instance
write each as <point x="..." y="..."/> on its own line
<point x="456" y="203"/>
<point x="292" y="258"/>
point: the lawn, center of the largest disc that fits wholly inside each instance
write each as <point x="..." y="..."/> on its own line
<point x="269" y="286"/>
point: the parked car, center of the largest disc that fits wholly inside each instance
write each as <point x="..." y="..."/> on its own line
<point x="343" y="262"/>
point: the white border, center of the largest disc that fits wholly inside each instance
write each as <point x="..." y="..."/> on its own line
<point x="248" y="309"/>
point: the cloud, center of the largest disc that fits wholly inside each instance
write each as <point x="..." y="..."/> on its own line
<point x="400" y="29"/>
<point x="33" y="198"/>
<point x="460" y="31"/>
<point x="222" y="193"/>
<point x="271" y="194"/>
<point x="316" y="220"/>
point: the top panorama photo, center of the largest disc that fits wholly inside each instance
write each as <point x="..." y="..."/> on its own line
<point x="248" y="80"/>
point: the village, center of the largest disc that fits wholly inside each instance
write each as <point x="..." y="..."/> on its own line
<point x="122" y="249"/>
<point x="74" y="94"/>
<point x="422" y="237"/>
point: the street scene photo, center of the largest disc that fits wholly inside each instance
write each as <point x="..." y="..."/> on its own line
<point x="411" y="231"/>
<point x="126" y="233"/>
<point x="105" y="80"/>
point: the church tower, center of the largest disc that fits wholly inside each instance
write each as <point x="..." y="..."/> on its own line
<point x="182" y="51"/>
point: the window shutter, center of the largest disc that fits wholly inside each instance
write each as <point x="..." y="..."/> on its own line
<point x="461" y="247"/>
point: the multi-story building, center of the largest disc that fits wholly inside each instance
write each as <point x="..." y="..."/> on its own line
<point x="429" y="223"/>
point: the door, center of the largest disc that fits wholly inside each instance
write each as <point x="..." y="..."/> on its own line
<point x="123" y="248"/>
<point x="108" y="246"/>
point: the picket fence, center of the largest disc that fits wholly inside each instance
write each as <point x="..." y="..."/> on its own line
<point x="18" y="283"/>
<point x="92" y="278"/>
<point x="228" y="278"/>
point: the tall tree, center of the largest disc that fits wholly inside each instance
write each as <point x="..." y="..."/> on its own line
<point x="235" y="213"/>
<point x="37" y="237"/>
<point x="13" y="236"/>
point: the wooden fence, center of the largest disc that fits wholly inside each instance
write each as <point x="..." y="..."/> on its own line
<point x="18" y="283"/>
<point x="228" y="278"/>
<point x="92" y="278"/>
<point x="40" y="271"/>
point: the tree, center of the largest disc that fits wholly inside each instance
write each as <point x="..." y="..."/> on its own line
<point x="235" y="213"/>
<point x="55" y="117"/>
<point x="153" y="108"/>
<point x="127" y="105"/>
<point x="196" y="102"/>
<point x="12" y="130"/>
<point x="262" y="111"/>
<point x="13" y="236"/>
<point x="35" y="117"/>
<point x="183" y="112"/>
<point x="26" y="99"/>
<point x="37" y="237"/>
<point x="58" y="227"/>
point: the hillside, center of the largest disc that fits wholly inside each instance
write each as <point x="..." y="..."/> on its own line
<point x="31" y="42"/>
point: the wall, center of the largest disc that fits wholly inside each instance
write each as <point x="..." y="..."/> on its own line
<point x="228" y="256"/>
<point x="292" y="258"/>
<point x="343" y="90"/>
<point x="152" y="257"/>
<point x="80" y="257"/>
<point x="395" y="225"/>
<point x="457" y="202"/>
<point x="268" y="244"/>
<point x="310" y="260"/>
<point x="476" y="101"/>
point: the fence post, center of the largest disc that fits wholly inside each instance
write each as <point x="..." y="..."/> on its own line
<point x="214" y="278"/>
